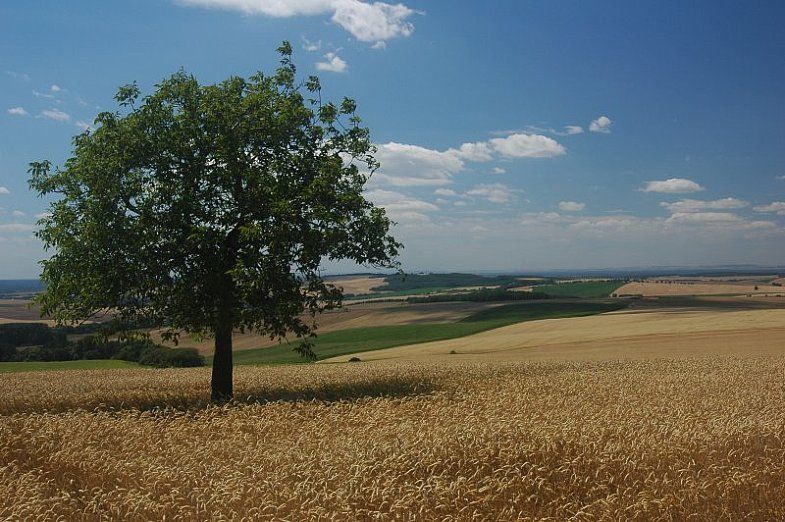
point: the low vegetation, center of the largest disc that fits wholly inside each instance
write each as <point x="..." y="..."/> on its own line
<point x="410" y="282"/>
<point x="581" y="289"/>
<point x="643" y="440"/>
<point x="35" y="342"/>
<point x="354" y="340"/>
<point x="481" y="295"/>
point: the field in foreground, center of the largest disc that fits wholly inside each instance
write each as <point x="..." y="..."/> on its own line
<point x="657" y="439"/>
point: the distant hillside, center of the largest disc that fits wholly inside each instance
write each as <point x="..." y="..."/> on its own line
<point x="15" y="287"/>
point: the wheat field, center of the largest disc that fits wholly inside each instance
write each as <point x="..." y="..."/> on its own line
<point x="667" y="439"/>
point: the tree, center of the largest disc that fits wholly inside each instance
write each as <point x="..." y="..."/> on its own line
<point x="210" y="208"/>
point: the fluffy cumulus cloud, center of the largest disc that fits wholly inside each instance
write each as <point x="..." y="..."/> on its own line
<point x="332" y="63"/>
<point x="571" y="206"/>
<point x="18" y="111"/>
<point x="371" y="22"/>
<point x="55" y="114"/>
<point x="493" y="192"/>
<point x="697" y="205"/>
<point x="672" y="186"/>
<point x="412" y="165"/>
<point x="400" y="207"/>
<point x="403" y="164"/>
<point x="777" y="207"/>
<point x="527" y="146"/>
<point x="601" y="124"/>
<point x="445" y="192"/>
<point x="478" y="151"/>
<point x="4" y="190"/>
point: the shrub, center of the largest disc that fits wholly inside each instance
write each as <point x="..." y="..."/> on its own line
<point x="29" y="334"/>
<point x="161" y="357"/>
<point x="8" y="353"/>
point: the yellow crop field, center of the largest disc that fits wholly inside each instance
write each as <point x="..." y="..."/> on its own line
<point x="698" y="439"/>
<point x="616" y="335"/>
<point x="676" y="287"/>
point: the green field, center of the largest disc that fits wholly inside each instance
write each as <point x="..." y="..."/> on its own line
<point x="581" y="289"/>
<point x="87" y="364"/>
<point x="354" y="340"/>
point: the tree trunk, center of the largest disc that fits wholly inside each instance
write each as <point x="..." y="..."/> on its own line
<point x="222" y="364"/>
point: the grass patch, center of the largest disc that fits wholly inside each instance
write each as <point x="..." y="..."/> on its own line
<point x="94" y="364"/>
<point x="343" y="342"/>
<point x="581" y="289"/>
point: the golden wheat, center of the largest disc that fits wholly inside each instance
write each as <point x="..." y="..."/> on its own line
<point x="640" y="440"/>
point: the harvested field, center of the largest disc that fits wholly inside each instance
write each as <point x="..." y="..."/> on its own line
<point x="644" y="440"/>
<point x="357" y="284"/>
<point x="19" y="311"/>
<point x="628" y="334"/>
<point x="651" y="288"/>
<point x="358" y="315"/>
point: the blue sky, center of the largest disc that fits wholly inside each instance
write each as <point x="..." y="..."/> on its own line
<point x="520" y="135"/>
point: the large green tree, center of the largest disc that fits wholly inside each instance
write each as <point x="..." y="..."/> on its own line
<point x="210" y="208"/>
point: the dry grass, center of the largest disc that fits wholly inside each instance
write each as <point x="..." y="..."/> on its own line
<point x="616" y="335"/>
<point x="641" y="440"/>
<point x="676" y="287"/>
<point x="357" y="284"/>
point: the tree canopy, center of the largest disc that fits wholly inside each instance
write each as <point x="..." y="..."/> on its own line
<point x="210" y="208"/>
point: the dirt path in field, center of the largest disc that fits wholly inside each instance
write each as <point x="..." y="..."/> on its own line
<point x="619" y="335"/>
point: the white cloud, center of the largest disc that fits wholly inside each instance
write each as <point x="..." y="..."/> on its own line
<point x="18" y="76"/>
<point x="84" y="125"/>
<point x="400" y="207"/>
<point x="55" y="114"/>
<point x="55" y="88"/>
<point x="445" y="192"/>
<point x="16" y="227"/>
<point x="696" y="205"/>
<point x="718" y="219"/>
<point x="571" y="206"/>
<point x="411" y="165"/>
<point x="601" y="124"/>
<point x="373" y="22"/>
<point x="332" y="63"/>
<point x="38" y="94"/>
<point x="4" y="190"/>
<point x="18" y="111"/>
<point x="494" y="192"/>
<point x="477" y="151"/>
<point x="672" y="186"/>
<point x="18" y="213"/>
<point x="777" y="207"/>
<point x="460" y="203"/>
<point x="782" y="178"/>
<point x="310" y="46"/>
<point x="368" y="22"/>
<point x="527" y="146"/>
<point x="573" y="129"/>
<point x="498" y="170"/>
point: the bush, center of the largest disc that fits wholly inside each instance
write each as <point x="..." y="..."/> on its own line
<point x="29" y="334"/>
<point x="161" y="357"/>
<point x="8" y="353"/>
